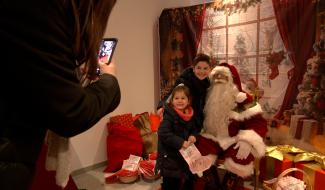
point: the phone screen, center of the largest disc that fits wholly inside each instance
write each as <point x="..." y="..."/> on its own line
<point x="106" y="50"/>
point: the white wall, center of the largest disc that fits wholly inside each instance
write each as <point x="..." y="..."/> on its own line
<point x="137" y="60"/>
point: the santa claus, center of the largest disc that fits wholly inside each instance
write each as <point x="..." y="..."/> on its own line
<point x="233" y="124"/>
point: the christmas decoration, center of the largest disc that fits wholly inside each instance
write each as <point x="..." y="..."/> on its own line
<point x="311" y="96"/>
<point x="234" y="6"/>
<point x="240" y="60"/>
<point x="273" y="60"/>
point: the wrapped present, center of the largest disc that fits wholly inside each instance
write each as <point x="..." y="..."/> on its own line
<point x="307" y="134"/>
<point x="309" y="129"/>
<point x="287" y="117"/>
<point x="271" y="167"/>
<point x="312" y="135"/>
<point x="318" y="138"/>
<point x="296" y="125"/>
<point x="314" y="172"/>
<point x="311" y="157"/>
<point x="276" y="160"/>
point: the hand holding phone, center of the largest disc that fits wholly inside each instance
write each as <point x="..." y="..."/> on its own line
<point x="108" y="69"/>
<point x="106" y="50"/>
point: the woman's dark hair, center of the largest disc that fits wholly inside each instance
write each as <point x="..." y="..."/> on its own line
<point x="181" y="88"/>
<point x="90" y="18"/>
<point x="201" y="57"/>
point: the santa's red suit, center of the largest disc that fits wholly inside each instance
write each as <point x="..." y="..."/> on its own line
<point x="233" y="126"/>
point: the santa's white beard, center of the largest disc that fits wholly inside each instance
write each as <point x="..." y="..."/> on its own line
<point x="220" y="101"/>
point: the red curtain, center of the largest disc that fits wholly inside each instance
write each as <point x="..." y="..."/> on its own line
<point x="296" y="20"/>
<point x="180" y="32"/>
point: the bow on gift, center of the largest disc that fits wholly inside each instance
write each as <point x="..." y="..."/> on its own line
<point x="311" y="156"/>
<point x="277" y="152"/>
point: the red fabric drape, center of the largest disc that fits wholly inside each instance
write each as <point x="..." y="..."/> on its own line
<point x="192" y="28"/>
<point x="296" y="21"/>
<point x="180" y="31"/>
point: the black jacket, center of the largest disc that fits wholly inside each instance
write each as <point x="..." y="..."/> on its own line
<point x="172" y="133"/>
<point x="40" y="88"/>
<point x="198" y="89"/>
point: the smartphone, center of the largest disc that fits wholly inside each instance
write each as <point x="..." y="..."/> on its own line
<point x="106" y="50"/>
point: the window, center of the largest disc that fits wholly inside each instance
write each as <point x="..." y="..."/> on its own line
<point x="250" y="41"/>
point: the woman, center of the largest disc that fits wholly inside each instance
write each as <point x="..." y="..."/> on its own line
<point x="43" y="44"/>
<point x="196" y="79"/>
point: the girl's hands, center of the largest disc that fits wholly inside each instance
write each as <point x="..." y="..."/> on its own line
<point x="186" y="144"/>
<point x="192" y="139"/>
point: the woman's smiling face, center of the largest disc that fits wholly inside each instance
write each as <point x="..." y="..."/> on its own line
<point x="202" y="70"/>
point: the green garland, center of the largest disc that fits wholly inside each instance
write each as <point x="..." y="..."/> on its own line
<point x="236" y="7"/>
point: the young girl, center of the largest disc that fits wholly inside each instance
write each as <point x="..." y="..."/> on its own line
<point x="176" y="131"/>
<point x="195" y="78"/>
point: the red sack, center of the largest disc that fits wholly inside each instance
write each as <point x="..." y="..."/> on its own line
<point x="121" y="142"/>
<point x="123" y="119"/>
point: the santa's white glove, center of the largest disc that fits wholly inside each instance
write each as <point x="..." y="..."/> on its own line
<point x="244" y="149"/>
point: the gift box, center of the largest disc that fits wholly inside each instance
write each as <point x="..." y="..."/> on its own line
<point x="296" y="126"/>
<point x="318" y="137"/>
<point x="271" y="167"/>
<point x="314" y="172"/>
<point x="309" y="129"/>
<point x="309" y="135"/>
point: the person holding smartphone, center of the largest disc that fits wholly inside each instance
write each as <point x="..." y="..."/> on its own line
<point x="43" y="43"/>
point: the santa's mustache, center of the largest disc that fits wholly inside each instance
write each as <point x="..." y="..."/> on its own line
<point x="219" y="78"/>
<point x="220" y="81"/>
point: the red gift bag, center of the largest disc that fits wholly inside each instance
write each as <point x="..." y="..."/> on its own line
<point x="121" y="142"/>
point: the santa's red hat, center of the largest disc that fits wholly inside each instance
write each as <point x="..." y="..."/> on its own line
<point x="241" y="97"/>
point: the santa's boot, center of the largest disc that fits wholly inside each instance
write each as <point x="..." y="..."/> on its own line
<point x="231" y="181"/>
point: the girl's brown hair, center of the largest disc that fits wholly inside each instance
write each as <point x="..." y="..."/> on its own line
<point x="181" y="88"/>
<point x="90" y="17"/>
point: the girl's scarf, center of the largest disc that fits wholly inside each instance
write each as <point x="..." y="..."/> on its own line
<point x="187" y="114"/>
